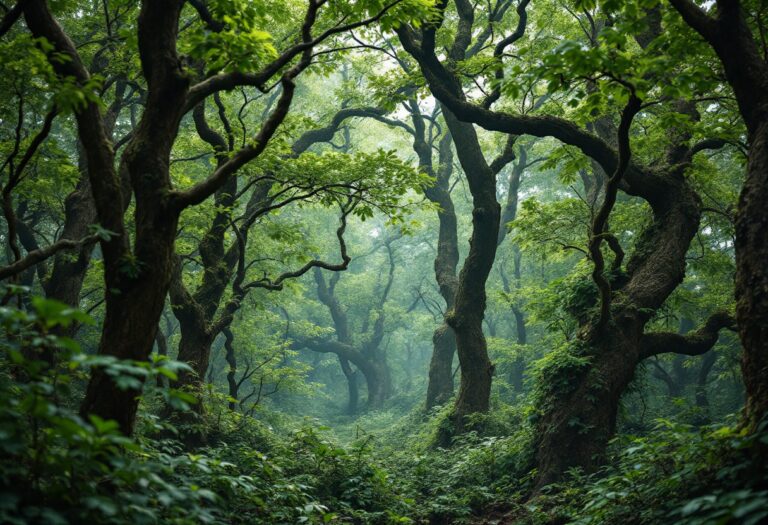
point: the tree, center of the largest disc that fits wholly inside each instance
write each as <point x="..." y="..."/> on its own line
<point x="465" y="316"/>
<point x="508" y="214"/>
<point x="426" y="137"/>
<point x="611" y="340"/>
<point x="201" y="315"/>
<point x="730" y="35"/>
<point x="365" y="352"/>
<point x="138" y="267"/>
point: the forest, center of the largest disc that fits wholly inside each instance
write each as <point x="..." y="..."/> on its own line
<point x="384" y="262"/>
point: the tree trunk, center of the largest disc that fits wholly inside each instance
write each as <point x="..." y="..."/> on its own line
<point x="702" y="399"/>
<point x="521" y="330"/>
<point x="466" y="317"/>
<point x="138" y="267"/>
<point x="518" y="366"/>
<point x="65" y="283"/>
<point x="575" y="429"/>
<point x="440" y="379"/>
<point x="378" y="381"/>
<point x="162" y="349"/>
<point x="580" y="394"/>
<point x="440" y="382"/>
<point x="129" y="332"/>
<point x="679" y="378"/>
<point x="581" y="387"/>
<point x="352" y="387"/>
<point x="752" y="275"/>
<point x="68" y="274"/>
<point x="234" y="386"/>
<point x="440" y="385"/>
<point x="508" y="214"/>
<point x="195" y="350"/>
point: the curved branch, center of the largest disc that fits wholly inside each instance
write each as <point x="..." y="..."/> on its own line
<point x="205" y="15"/>
<point x="201" y="191"/>
<point x="37" y="256"/>
<point x="600" y="221"/>
<point x="445" y="87"/>
<point x="703" y="145"/>
<point x="277" y="284"/>
<point x="329" y="346"/>
<point x="694" y="343"/>
<point x="517" y="34"/>
<point x="695" y="17"/>
<point x="506" y="156"/>
<point x="326" y="133"/>
<point x="239" y="290"/>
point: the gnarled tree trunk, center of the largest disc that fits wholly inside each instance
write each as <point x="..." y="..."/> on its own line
<point x="367" y="356"/>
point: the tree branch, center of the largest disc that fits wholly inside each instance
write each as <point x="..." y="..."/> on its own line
<point x="277" y="284"/>
<point x="506" y="156"/>
<point x="445" y="87"/>
<point x="694" y="343"/>
<point x="11" y="17"/>
<point x="703" y="145"/>
<point x="695" y="17"/>
<point x="231" y="80"/>
<point x="600" y="221"/>
<point x="37" y="256"/>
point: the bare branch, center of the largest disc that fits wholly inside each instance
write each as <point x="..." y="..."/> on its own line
<point x="277" y="284"/>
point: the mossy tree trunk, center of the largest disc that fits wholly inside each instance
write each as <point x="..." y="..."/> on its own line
<point x="466" y="315"/>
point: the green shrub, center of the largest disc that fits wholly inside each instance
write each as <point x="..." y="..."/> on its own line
<point x="680" y="474"/>
<point x="58" y="468"/>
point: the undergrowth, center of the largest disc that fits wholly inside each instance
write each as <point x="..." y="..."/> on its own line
<point x="58" y="468"/>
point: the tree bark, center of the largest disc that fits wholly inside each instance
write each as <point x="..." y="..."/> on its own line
<point x="68" y="273"/>
<point x="584" y="414"/>
<point x="234" y="385"/>
<point x="752" y="276"/>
